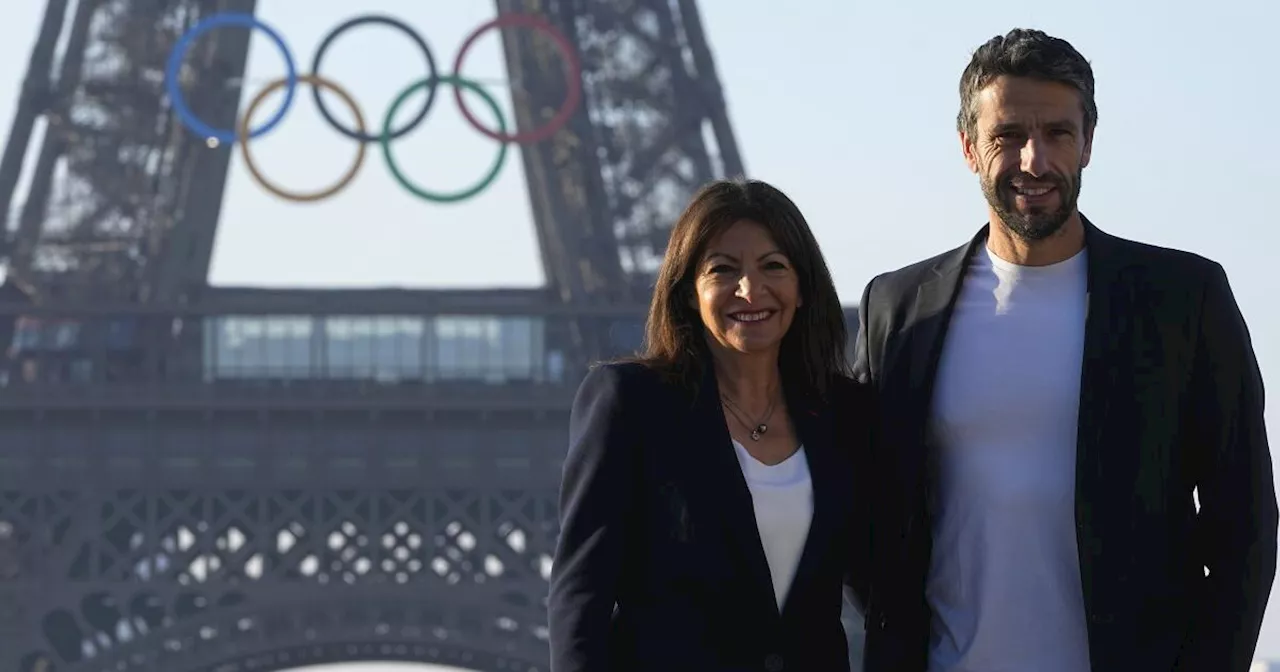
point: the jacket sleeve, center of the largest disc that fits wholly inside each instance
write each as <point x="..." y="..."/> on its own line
<point x="856" y="427"/>
<point x="1236" y="524"/>
<point x="595" y="499"/>
<point x="862" y="364"/>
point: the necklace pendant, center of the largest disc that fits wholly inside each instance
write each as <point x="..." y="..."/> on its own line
<point x="760" y="429"/>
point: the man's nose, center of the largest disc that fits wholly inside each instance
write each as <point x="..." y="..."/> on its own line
<point x="1034" y="158"/>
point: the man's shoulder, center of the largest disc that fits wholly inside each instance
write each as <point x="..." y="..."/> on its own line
<point x="1177" y="265"/>
<point x="904" y="281"/>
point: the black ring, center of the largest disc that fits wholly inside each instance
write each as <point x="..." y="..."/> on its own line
<point x="398" y="25"/>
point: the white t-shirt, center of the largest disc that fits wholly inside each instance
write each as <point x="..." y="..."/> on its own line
<point x="1004" y="581"/>
<point x="782" y="495"/>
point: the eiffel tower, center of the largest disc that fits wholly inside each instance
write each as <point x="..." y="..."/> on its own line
<point x="197" y="478"/>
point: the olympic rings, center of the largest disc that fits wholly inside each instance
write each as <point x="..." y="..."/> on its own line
<point x="243" y="131"/>
<point x="432" y="74"/>
<point x="179" y="102"/>
<point x="573" y="72"/>
<point x="459" y="84"/>
<point x="316" y="83"/>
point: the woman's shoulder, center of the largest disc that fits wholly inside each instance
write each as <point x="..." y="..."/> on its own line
<point x="627" y="392"/>
<point x="848" y="389"/>
<point x="624" y="373"/>
<point x="854" y="416"/>
<point x="852" y="399"/>
<point x="626" y="379"/>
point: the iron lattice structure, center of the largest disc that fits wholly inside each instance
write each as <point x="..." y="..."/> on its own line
<point x="654" y="128"/>
<point x="121" y="202"/>
<point x="165" y="505"/>
<point x="178" y="567"/>
<point x="217" y="579"/>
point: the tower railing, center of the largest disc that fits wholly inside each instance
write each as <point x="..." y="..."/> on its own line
<point x="263" y="354"/>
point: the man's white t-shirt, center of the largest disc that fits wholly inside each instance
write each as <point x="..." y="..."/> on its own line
<point x="1004" y="581"/>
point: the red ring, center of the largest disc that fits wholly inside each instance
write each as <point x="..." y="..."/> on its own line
<point x="571" y="62"/>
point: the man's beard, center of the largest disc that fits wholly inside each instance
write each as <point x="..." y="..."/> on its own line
<point x="1039" y="223"/>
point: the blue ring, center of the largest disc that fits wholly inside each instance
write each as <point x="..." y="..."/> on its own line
<point x="180" y="107"/>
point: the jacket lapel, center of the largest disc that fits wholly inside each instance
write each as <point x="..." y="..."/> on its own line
<point x="713" y="448"/>
<point x="1106" y="313"/>
<point x="930" y="314"/>
<point x="925" y="331"/>
<point x="813" y="426"/>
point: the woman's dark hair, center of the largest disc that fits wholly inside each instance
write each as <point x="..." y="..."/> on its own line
<point x="813" y="349"/>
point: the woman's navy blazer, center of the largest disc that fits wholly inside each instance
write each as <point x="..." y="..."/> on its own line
<point x="659" y="565"/>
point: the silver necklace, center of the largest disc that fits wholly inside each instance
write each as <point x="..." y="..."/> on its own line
<point x="757" y="429"/>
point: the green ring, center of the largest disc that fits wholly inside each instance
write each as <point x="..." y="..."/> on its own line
<point x="385" y="140"/>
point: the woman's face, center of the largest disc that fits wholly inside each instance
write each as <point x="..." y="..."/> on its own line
<point x="747" y="290"/>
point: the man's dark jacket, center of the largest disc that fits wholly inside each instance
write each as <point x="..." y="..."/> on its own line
<point x="1171" y="401"/>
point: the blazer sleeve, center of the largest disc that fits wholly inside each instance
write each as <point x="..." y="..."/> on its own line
<point x="861" y="391"/>
<point x="1236" y="525"/>
<point x="862" y="364"/>
<point x="595" y="500"/>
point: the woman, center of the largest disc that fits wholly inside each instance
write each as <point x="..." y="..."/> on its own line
<point x="710" y="513"/>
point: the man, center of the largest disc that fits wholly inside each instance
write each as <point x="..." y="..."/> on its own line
<point x="1052" y="396"/>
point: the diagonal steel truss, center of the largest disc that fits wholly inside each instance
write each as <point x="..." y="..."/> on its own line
<point x="653" y="129"/>
<point x="121" y="202"/>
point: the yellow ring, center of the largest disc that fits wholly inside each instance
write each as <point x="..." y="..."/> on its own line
<point x="242" y="134"/>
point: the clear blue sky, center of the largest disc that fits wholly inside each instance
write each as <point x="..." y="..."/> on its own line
<point x="848" y="106"/>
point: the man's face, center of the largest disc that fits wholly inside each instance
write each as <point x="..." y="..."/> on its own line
<point x="1029" y="148"/>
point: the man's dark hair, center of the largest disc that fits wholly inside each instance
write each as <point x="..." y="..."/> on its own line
<point x="1026" y="53"/>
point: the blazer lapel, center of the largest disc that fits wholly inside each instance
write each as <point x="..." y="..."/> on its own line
<point x="925" y="330"/>
<point x="927" y="321"/>
<point x="714" y="449"/>
<point x="1104" y="324"/>
<point x="814" y="429"/>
